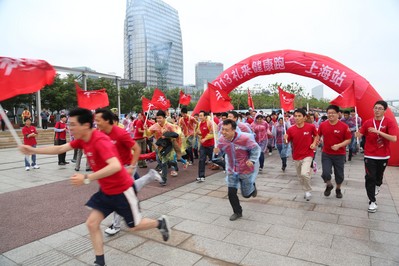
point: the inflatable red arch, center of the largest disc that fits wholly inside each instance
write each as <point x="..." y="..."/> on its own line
<point x="330" y="72"/>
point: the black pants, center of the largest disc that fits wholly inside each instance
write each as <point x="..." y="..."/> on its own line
<point x="204" y="152"/>
<point x="3" y="125"/>
<point x="61" y="157"/>
<point x="234" y="201"/>
<point x="44" y="123"/>
<point x="374" y="174"/>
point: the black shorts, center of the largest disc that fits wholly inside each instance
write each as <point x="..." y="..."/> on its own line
<point x="125" y="204"/>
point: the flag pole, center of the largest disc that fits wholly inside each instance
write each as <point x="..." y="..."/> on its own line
<point x="213" y="128"/>
<point x="9" y="126"/>
<point x="357" y="125"/>
<point x="146" y="117"/>
<point x="282" y="111"/>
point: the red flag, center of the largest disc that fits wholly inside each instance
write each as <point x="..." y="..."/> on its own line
<point x="250" y="101"/>
<point x="286" y="100"/>
<point x="23" y="76"/>
<point x="184" y="99"/>
<point x="159" y="100"/>
<point x="91" y="99"/>
<point x="346" y="98"/>
<point x="146" y="104"/>
<point x="219" y="100"/>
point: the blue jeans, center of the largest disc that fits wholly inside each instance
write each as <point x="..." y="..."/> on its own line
<point x="27" y="163"/>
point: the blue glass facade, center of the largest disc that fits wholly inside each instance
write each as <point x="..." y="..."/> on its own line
<point x="153" y="51"/>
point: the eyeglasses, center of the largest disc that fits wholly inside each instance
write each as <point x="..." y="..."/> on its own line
<point x="379" y="108"/>
<point x="331" y="113"/>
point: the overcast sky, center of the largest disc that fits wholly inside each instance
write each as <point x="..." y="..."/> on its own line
<point x="361" y="34"/>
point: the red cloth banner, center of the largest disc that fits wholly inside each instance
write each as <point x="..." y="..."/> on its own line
<point x="91" y="99"/>
<point x="159" y="100"/>
<point x="23" y="76"/>
<point x="146" y="104"/>
<point x="219" y="100"/>
<point x="286" y="100"/>
<point x="184" y="99"/>
<point x="347" y="98"/>
<point x="250" y="101"/>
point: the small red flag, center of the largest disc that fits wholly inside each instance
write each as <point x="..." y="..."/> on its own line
<point x="91" y="99"/>
<point x="184" y="99"/>
<point x="146" y="104"/>
<point x="250" y="101"/>
<point x="286" y="100"/>
<point x="346" y="98"/>
<point x="219" y="100"/>
<point x="159" y="100"/>
<point x="23" y="76"/>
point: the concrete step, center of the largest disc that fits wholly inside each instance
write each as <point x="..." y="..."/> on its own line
<point x="45" y="137"/>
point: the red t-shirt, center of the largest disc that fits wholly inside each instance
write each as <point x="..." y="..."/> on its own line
<point x="26" y="131"/>
<point x="334" y="134"/>
<point x="377" y="147"/>
<point x="124" y="143"/>
<point x="301" y="139"/>
<point x="60" y="135"/>
<point x="98" y="150"/>
<point x="204" y="128"/>
<point x="138" y="124"/>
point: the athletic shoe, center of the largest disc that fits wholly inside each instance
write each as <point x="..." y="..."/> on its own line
<point x="36" y="166"/>
<point x="66" y="162"/>
<point x="372" y="207"/>
<point x="88" y="169"/>
<point x="164" y="227"/>
<point x="307" y="196"/>
<point x="235" y="216"/>
<point x="61" y="163"/>
<point x="27" y="168"/>
<point x="283" y="168"/>
<point x="327" y="192"/>
<point x="112" y="230"/>
<point x="76" y="169"/>
<point x="190" y="163"/>
<point x="173" y="173"/>
<point x="202" y="179"/>
<point x="338" y="193"/>
<point x="198" y="179"/>
<point x="155" y="175"/>
<point x="260" y="169"/>
<point x="270" y="153"/>
<point x="377" y="190"/>
<point x="163" y="183"/>
<point x="73" y="161"/>
<point x="96" y="264"/>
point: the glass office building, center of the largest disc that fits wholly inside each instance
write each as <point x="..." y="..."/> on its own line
<point x="153" y="51"/>
<point x="206" y="72"/>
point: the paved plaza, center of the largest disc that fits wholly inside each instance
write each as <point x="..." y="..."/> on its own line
<point x="278" y="227"/>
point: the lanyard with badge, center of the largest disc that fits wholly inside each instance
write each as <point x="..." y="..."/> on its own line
<point x="380" y="141"/>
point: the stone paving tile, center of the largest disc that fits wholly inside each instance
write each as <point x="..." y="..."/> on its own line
<point x="148" y="204"/>
<point x="302" y="236"/>
<point x="218" y="194"/>
<point x="176" y="237"/>
<point x="201" y="191"/>
<point x="190" y="196"/>
<point x="385" y="216"/>
<point x="196" y="205"/>
<point x="338" y="229"/>
<point x="26" y="252"/>
<point x="202" y="229"/>
<point x="195" y="215"/>
<point x="165" y="255"/>
<point x="59" y="239"/>
<point x="115" y="257"/>
<point x="369" y="223"/>
<point x="212" y="200"/>
<point x="212" y="262"/>
<point x="260" y="242"/>
<point x="243" y="225"/>
<point x="341" y="211"/>
<point x="383" y="262"/>
<point x="311" y="215"/>
<point x="174" y="193"/>
<point x="263" y="207"/>
<point x="126" y="242"/>
<point x="369" y="248"/>
<point x="277" y="219"/>
<point x="73" y="262"/>
<point x="52" y="257"/>
<point x="327" y="256"/>
<point x="232" y="253"/>
<point x="80" y="229"/>
<point x="262" y="258"/>
<point x="385" y="237"/>
<point x="6" y="261"/>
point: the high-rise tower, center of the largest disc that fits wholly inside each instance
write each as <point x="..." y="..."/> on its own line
<point x="153" y="44"/>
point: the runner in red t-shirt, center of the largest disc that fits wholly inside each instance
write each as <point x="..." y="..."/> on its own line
<point x="303" y="137"/>
<point x="379" y="131"/>
<point x="116" y="192"/>
<point x="336" y="135"/>
<point x="29" y="132"/>
<point x="205" y="132"/>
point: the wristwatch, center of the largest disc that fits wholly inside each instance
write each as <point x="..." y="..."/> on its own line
<point x="86" y="180"/>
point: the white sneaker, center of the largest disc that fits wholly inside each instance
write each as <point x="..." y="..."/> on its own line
<point x="27" y="168"/>
<point x="372" y="207"/>
<point x="377" y="190"/>
<point x="202" y="179"/>
<point x="112" y="230"/>
<point x="173" y="173"/>
<point x="307" y="196"/>
<point x="270" y="153"/>
<point x="260" y="169"/>
<point x="155" y="175"/>
<point x="36" y="166"/>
